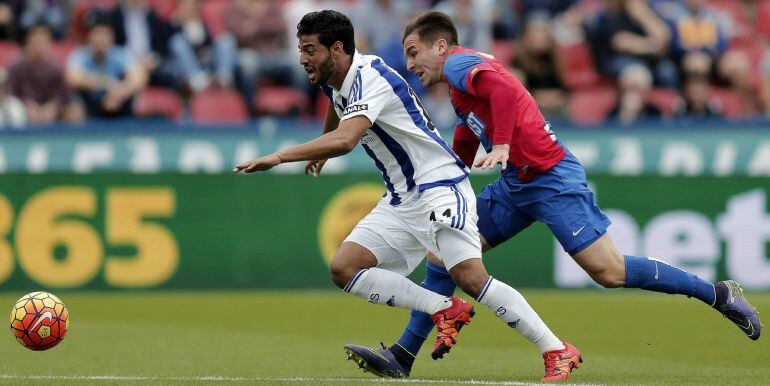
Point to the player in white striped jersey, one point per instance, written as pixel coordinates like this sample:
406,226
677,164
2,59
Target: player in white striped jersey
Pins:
429,204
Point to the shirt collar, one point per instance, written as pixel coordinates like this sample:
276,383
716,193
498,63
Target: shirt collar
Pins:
350,78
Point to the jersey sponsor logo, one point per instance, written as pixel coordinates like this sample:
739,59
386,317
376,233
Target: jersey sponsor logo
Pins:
475,124
355,109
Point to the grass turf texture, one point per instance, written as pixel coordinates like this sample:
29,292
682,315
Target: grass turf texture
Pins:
627,337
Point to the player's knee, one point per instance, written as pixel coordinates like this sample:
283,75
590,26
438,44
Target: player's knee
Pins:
341,272
469,276
611,276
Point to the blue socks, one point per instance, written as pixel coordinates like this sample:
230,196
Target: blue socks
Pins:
438,280
654,275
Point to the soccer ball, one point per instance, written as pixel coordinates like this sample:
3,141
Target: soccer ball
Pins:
39,321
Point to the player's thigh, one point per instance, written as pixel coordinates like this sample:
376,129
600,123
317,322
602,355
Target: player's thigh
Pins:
498,218
445,223
386,236
436,261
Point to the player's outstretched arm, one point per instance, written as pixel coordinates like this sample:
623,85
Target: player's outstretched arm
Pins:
330,123
334,144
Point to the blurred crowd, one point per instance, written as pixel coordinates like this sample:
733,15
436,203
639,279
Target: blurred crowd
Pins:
229,60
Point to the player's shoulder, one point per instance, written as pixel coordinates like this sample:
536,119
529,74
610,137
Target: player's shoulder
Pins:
458,65
373,68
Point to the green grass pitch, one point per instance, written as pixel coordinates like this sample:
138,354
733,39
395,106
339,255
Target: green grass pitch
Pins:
296,337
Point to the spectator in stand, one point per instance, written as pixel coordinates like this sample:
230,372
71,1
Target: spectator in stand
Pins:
535,65
12,112
697,100
50,12
7,20
39,82
630,42
473,19
260,31
633,101
106,76
699,44
147,36
628,33
197,52
381,35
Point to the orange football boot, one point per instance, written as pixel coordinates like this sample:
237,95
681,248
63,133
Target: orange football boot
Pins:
448,322
560,363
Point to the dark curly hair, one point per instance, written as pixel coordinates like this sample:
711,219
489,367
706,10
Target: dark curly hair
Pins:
331,27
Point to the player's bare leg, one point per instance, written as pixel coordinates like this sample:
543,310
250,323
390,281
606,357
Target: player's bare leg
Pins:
608,267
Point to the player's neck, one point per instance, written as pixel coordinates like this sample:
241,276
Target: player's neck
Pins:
341,72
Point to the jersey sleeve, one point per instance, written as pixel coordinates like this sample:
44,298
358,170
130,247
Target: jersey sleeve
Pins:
369,96
465,144
459,70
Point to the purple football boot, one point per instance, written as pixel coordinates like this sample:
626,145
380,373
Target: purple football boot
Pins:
381,362
734,306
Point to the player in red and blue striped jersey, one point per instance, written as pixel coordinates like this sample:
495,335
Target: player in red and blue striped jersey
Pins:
540,181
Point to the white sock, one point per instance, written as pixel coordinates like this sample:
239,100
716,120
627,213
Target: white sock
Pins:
381,286
511,307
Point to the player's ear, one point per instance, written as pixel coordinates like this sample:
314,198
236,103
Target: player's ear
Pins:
440,46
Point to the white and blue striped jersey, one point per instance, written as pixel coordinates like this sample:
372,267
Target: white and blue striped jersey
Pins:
403,142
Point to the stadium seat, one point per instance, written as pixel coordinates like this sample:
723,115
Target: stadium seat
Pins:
218,106
321,105
9,52
60,51
576,66
666,100
164,8
736,11
734,105
280,100
503,51
214,15
591,106
158,102
763,18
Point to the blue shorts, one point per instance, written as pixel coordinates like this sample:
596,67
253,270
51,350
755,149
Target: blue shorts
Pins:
560,198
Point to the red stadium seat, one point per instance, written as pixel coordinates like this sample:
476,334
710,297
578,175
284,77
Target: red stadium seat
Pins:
321,105
164,8
763,18
214,15
218,106
60,51
666,100
576,66
591,106
737,12
503,51
734,105
9,52
280,100
158,102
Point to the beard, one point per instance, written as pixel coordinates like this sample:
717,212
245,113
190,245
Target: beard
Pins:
325,71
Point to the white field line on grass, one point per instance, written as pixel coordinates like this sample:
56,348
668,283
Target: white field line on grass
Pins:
260,379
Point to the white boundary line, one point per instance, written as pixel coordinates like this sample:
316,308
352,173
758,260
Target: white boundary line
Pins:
214,378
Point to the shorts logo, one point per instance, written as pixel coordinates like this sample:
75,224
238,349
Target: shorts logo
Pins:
514,323
577,232
355,109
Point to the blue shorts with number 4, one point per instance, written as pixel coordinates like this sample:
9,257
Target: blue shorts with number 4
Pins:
559,197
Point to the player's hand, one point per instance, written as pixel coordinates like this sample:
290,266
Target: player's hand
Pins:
314,167
499,154
258,165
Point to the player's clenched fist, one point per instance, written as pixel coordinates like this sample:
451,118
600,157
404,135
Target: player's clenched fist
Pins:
258,165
